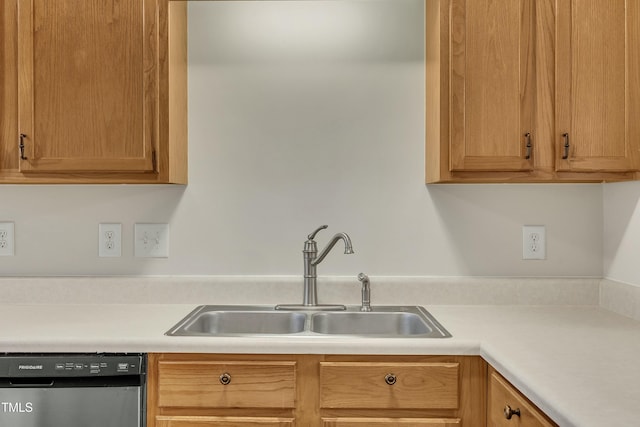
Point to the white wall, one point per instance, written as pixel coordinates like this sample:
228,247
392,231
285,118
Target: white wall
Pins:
301,114
621,231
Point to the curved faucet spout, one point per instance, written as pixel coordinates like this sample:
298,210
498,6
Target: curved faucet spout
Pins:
311,261
348,249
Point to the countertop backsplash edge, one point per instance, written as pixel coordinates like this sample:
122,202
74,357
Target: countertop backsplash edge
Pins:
621,298
288,289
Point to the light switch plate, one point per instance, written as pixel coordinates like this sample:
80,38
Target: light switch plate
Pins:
151,240
7,239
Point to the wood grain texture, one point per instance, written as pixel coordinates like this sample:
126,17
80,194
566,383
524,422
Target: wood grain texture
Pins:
469,410
473,391
259,384
437,86
388,422
492,84
597,49
545,101
185,421
362,385
552,55
126,133
8,87
87,84
502,393
177,89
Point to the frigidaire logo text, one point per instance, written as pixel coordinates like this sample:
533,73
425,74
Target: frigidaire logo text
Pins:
17,407
30,367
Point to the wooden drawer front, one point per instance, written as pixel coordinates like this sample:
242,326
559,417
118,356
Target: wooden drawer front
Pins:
180,421
252,384
388,422
501,394
363,385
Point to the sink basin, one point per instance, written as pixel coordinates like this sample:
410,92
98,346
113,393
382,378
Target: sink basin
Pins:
239,320
369,323
382,321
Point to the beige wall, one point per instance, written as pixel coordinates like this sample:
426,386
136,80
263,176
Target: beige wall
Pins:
622,232
304,113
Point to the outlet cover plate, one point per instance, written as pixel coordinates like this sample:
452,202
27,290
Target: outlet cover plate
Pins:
7,239
109,240
534,242
151,240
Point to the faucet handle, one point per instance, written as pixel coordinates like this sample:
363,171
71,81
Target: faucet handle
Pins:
313,235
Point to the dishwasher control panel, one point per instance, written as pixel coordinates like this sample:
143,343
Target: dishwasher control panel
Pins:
70,365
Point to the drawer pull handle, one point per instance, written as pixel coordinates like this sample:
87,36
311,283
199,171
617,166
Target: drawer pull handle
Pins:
225,379
510,412
390,379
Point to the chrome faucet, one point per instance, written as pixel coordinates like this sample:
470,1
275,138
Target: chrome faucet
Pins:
311,261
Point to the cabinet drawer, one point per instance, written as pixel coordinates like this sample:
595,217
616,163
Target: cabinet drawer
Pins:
389,385
388,422
227,384
503,394
181,421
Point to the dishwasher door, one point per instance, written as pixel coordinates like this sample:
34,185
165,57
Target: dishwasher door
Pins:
105,406
72,390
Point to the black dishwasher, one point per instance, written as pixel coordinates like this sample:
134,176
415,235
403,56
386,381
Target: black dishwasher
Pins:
72,390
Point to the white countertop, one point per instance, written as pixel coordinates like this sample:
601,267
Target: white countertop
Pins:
578,364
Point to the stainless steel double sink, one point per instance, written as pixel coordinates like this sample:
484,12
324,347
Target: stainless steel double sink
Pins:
381,321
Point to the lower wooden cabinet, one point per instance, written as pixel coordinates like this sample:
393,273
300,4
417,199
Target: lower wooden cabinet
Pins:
207,390
225,390
507,407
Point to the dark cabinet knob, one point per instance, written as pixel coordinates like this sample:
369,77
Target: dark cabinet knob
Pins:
225,379
510,412
390,379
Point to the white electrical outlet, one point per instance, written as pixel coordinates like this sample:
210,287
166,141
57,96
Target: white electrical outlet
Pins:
534,241
7,239
151,240
109,240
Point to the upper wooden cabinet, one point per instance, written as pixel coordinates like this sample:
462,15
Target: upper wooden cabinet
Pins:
509,83
598,85
101,91
492,86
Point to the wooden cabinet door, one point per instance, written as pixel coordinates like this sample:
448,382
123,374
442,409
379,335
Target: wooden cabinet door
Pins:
503,394
193,421
598,85
87,85
492,85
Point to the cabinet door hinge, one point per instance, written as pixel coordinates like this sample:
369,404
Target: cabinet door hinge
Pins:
154,160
